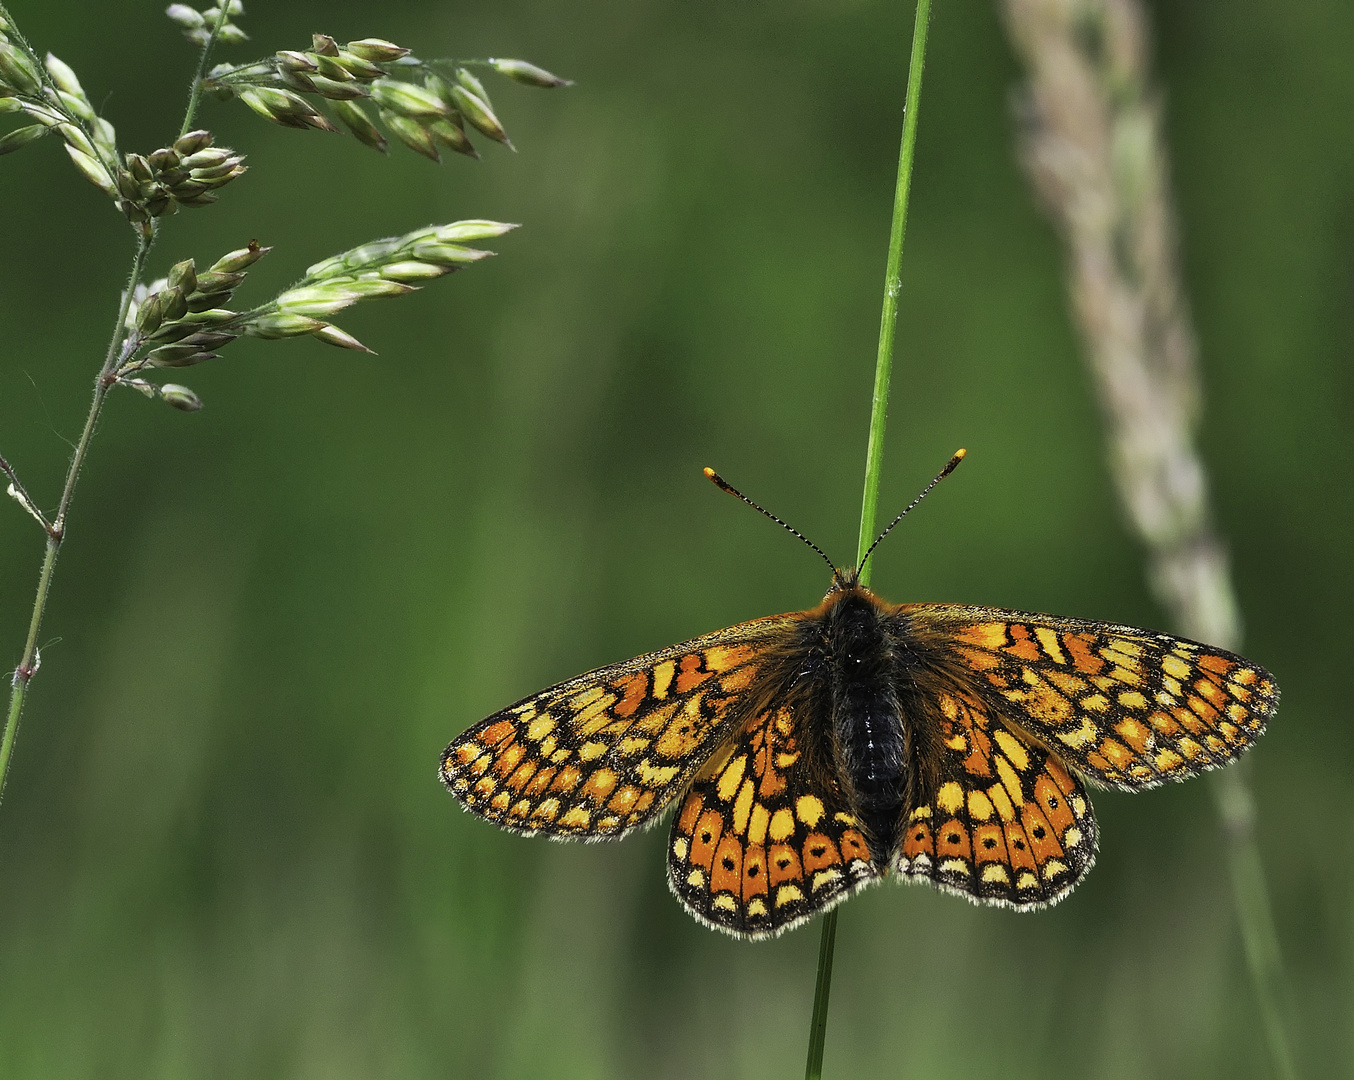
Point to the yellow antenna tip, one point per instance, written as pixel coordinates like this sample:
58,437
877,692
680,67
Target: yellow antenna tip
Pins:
960,453
709,473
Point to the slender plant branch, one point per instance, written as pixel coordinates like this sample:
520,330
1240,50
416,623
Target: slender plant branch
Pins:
56,531
888,319
1093,147
195,93
874,456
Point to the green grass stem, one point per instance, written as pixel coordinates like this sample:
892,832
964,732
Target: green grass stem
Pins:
874,455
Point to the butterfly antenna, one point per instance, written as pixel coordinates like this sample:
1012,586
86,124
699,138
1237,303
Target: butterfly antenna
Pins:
724,485
949,468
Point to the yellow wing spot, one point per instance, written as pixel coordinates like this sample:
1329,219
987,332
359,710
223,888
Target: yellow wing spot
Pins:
1096,703
559,757
784,761
1072,837
782,824
600,784
631,745
542,724
1011,747
809,810
655,776
950,797
1135,734
788,894
1049,640
679,847
1172,686
546,810
824,878
756,907
847,819
723,657
662,678
979,806
1128,648
1078,806
591,751
696,879
1009,780
984,635
1026,880
624,799
917,815
591,718
575,818
1168,759
466,753
1053,868
954,866
1129,675
1079,736
732,777
500,801
1131,699
959,742
995,872
1002,801
485,787
1175,667
726,902
757,824
742,807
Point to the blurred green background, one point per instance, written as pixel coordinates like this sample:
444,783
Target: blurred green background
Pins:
224,851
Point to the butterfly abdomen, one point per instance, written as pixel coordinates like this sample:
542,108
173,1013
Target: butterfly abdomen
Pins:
865,714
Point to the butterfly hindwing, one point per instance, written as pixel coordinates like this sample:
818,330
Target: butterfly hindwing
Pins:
1124,707
1001,822
607,751
763,839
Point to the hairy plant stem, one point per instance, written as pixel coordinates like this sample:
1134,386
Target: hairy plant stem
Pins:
56,531
874,456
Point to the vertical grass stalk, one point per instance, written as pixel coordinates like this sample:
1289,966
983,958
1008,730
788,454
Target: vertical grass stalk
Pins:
1093,145
874,455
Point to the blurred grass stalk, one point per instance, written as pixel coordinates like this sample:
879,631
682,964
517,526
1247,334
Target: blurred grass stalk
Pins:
1091,142
874,454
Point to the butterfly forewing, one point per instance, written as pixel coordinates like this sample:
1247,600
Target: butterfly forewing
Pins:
764,839
1126,708
607,751
1001,821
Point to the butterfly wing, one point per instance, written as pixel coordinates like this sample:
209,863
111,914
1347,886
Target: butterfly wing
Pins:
1124,707
764,839
1000,820
605,752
